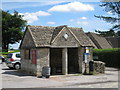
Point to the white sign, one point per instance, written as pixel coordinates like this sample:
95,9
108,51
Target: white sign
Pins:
65,35
87,50
86,57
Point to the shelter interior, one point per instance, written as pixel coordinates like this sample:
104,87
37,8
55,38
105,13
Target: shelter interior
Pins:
56,60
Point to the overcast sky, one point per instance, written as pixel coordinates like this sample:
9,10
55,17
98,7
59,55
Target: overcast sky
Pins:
55,13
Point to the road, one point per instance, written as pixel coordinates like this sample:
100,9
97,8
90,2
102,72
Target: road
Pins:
15,79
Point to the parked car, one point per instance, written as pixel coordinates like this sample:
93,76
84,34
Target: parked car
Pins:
2,59
13,60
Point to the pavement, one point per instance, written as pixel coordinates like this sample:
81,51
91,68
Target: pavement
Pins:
16,79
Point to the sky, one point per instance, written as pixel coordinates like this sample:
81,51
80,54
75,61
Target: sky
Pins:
55,13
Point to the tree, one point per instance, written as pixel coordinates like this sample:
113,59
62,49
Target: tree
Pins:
12,26
114,9
106,33
118,33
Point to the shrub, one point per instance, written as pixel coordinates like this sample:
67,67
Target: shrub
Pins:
6,53
109,56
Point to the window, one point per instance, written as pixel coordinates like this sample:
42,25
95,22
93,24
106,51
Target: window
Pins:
33,56
18,55
66,36
9,56
27,54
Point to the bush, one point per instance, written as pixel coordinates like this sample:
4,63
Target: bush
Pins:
109,56
6,53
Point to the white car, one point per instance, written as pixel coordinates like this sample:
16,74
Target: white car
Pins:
13,60
2,59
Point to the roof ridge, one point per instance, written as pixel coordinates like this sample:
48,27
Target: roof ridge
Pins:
40,26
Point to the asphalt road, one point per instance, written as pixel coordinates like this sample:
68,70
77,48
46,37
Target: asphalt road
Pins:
15,79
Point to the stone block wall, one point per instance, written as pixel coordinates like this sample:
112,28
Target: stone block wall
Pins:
99,67
26,65
42,59
61,41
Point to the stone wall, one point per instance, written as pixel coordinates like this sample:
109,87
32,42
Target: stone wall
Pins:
60,41
42,59
99,67
81,59
26,65
27,41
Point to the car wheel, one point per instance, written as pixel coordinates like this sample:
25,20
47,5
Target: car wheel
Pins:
17,66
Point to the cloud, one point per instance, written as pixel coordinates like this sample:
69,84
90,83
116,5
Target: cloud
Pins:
52,2
82,22
72,7
109,13
51,22
32,17
71,20
46,1
15,5
49,0
83,18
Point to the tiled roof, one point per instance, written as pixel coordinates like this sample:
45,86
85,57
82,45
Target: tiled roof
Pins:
114,41
99,41
43,35
81,36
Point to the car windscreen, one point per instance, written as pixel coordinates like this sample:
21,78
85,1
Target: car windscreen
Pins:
18,55
9,56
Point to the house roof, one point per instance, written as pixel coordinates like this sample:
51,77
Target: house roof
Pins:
44,35
99,41
114,41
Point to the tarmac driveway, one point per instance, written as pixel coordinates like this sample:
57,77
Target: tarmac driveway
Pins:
15,79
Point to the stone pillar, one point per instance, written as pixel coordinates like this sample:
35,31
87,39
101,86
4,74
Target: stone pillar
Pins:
64,61
81,59
42,60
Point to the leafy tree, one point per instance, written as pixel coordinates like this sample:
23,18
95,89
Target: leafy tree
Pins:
12,26
114,9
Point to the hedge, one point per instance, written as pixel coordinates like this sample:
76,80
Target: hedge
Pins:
109,56
6,53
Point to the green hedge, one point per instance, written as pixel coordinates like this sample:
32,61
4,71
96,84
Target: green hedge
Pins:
109,56
6,53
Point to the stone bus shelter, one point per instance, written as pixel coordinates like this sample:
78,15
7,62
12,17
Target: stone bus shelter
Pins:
61,48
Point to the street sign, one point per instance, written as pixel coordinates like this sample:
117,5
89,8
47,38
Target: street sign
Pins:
87,50
86,57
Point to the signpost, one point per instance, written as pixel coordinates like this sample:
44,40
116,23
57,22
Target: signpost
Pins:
86,58
86,54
